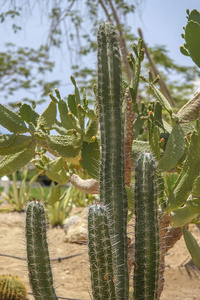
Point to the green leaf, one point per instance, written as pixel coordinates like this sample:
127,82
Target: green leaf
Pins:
91,130
65,145
48,117
174,149
19,144
59,128
72,104
7,139
190,170
192,38
192,246
194,16
12,163
90,157
186,213
161,98
54,194
184,51
154,139
64,117
11,121
28,114
138,126
56,172
138,147
196,187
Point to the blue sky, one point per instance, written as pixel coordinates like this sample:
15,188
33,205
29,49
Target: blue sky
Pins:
160,20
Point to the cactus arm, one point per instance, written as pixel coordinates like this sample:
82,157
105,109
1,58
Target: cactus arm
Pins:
12,121
189,173
135,64
40,275
174,149
112,189
192,246
100,254
146,273
12,163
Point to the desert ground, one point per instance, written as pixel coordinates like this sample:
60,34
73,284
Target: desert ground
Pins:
71,276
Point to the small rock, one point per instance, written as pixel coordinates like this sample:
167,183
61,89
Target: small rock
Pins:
76,228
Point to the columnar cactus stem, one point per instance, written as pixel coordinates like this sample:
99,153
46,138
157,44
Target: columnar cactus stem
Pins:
100,254
146,273
112,187
40,275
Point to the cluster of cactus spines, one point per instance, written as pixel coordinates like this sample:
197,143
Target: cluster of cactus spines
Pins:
146,272
112,187
12,288
40,274
100,254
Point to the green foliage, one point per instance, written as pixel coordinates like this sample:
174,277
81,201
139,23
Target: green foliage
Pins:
192,246
60,208
174,149
18,67
14,162
12,288
192,37
19,196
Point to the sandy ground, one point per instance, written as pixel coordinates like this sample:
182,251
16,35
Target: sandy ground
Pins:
71,276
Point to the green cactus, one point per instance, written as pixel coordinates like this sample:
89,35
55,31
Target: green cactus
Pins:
192,37
146,272
100,254
40,275
112,187
12,288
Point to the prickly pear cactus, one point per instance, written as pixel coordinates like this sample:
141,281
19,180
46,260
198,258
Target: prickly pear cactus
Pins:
192,37
12,288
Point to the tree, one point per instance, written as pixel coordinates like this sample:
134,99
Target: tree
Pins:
68,25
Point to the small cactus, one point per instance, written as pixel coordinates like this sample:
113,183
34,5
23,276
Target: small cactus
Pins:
12,288
100,254
40,274
146,273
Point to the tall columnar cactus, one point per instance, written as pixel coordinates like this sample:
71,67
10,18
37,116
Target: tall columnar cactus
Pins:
146,272
112,187
40,274
100,254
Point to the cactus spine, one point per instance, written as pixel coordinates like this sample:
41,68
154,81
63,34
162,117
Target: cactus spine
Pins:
40,275
12,288
100,254
112,187
146,273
